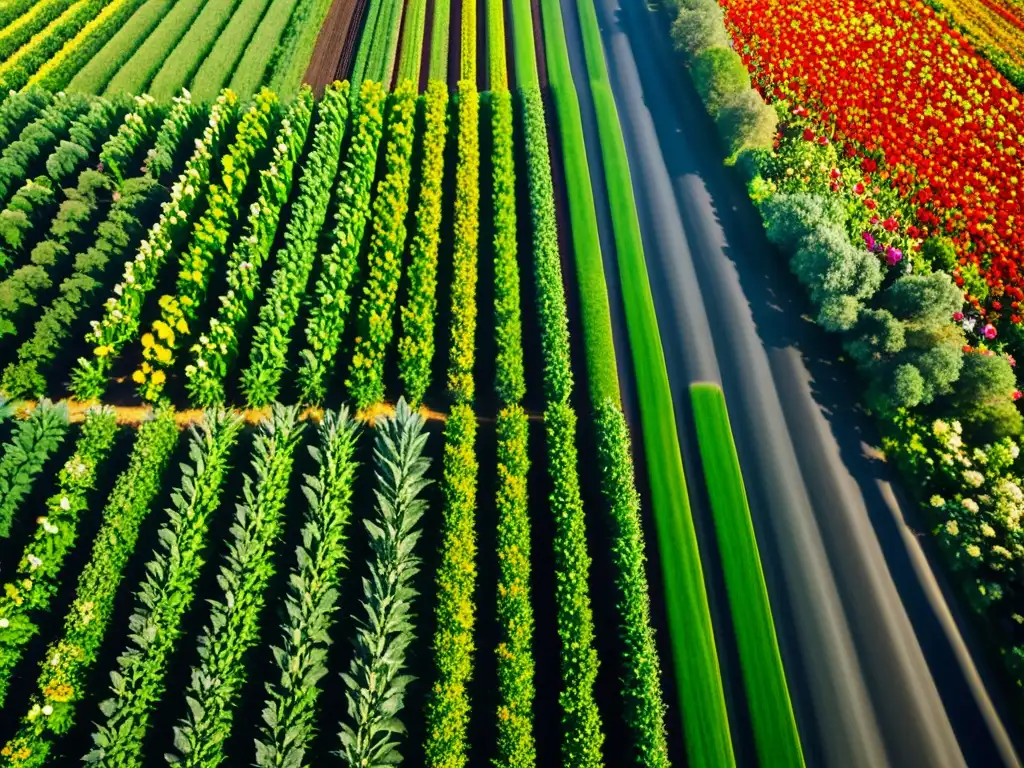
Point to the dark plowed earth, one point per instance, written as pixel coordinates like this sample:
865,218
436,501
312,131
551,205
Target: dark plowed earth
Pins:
879,670
335,45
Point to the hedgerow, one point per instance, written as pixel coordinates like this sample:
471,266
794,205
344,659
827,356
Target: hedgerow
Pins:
376,680
39,571
121,316
199,261
339,265
462,338
181,63
641,690
215,351
16,70
25,454
165,595
312,596
233,627
261,381
416,345
68,661
219,64
448,706
551,309
59,70
96,73
516,746
121,229
374,326
509,378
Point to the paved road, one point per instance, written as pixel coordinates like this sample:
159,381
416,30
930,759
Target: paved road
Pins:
880,673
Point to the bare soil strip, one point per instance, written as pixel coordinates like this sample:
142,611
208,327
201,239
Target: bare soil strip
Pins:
331,44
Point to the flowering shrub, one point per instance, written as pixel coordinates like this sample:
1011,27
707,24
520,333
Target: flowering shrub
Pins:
122,312
215,351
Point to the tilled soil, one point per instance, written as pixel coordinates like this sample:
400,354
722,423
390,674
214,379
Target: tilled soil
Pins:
332,57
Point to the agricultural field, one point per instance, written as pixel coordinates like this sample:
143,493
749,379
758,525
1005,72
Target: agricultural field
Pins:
350,413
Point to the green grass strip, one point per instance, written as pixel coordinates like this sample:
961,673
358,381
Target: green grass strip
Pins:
412,41
366,44
290,59
602,372
192,49
439,40
523,46
705,717
771,712
136,74
260,50
94,76
219,65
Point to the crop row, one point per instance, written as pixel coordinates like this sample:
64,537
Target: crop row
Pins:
378,44
120,321
210,238
24,456
416,345
374,319
261,380
215,352
339,268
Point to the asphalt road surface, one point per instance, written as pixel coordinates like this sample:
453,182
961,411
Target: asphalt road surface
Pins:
879,670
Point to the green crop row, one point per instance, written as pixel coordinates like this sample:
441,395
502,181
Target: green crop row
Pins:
411,53
25,454
516,746
69,660
20,108
25,213
96,73
287,65
416,346
496,59
462,338
120,150
59,70
290,712
136,74
375,59
510,378
210,236
13,9
438,67
771,712
233,625
374,326
167,591
121,316
340,265
181,63
264,50
219,64
448,707
214,353
121,230
467,38
32,20
377,680
39,572
261,381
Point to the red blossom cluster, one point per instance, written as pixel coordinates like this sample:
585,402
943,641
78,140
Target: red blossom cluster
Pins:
894,85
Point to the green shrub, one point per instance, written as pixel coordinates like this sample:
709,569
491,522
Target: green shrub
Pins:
746,122
718,74
939,253
830,266
697,30
983,398
25,454
789,218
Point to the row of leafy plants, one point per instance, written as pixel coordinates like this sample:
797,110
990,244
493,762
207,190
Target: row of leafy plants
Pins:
25,455
215,352
939,376
120,231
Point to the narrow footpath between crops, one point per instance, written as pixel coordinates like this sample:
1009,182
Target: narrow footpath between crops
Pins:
879,670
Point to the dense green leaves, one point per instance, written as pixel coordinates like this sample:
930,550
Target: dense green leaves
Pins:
310,604
376,681
516,746
215,351
583,738
641,690
233,627
374,327
448,707
166,593
340,264
40,568
68,661
19,109
261,381
416,345
25,454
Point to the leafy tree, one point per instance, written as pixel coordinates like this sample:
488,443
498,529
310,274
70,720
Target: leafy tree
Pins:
983,398
924,301
745,121
831,266
789,218
718,73
697,30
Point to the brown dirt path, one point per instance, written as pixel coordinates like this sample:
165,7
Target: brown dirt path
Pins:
332,42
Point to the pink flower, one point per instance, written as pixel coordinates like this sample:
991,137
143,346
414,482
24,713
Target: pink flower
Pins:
989,331
1011,360
893,256
1017,394
958,316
